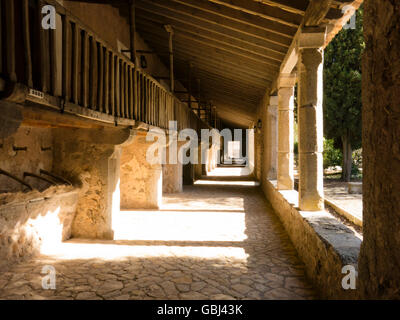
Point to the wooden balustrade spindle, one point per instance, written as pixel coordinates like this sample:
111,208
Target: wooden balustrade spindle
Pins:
100,91
27,43
112,83
106,81
75,61
85,69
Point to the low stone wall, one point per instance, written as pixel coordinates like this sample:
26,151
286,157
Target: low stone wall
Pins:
323,243
32,220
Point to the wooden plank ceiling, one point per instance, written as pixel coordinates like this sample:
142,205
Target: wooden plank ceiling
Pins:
236,47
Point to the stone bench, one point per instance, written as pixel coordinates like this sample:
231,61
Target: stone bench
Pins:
355,187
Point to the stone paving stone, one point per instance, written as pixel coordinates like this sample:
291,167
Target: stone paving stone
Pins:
256,262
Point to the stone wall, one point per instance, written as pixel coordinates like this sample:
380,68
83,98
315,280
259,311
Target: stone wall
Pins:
89,158
32,221
380,255
38,155
141,181
172,173
324,244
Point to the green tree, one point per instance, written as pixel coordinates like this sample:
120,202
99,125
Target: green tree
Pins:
342,91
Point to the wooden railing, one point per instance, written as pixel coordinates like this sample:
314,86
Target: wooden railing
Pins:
75,65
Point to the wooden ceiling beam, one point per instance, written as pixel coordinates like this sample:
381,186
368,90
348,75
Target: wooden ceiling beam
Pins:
226,40
222,80
262,8
240,16
264,11
298,6
184,58
173,17
235,118
236,75
188,56
223,105
235,92
155,39
239,74
316,12
176,9
240,54
232,93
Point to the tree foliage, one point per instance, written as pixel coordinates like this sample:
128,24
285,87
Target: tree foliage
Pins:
342,87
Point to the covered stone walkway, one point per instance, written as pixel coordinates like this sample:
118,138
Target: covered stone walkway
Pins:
219,239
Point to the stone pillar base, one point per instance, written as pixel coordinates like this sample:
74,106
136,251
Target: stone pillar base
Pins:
285,172
311,189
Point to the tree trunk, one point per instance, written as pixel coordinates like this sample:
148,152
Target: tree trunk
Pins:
347,158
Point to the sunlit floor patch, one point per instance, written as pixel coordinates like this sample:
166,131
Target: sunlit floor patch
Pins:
227,183
230,171
113,250
180,225
208,242
195,202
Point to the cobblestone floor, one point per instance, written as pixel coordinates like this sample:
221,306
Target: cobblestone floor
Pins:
213,241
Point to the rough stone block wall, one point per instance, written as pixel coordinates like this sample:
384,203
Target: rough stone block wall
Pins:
38,155
380,255
141,182
89,165
29,221
172,178
323,244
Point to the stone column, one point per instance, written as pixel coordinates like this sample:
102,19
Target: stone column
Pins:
172,170
90,158
250,150
188,174
214,156
272,137
259,150
209,160
285,132
379,261
199,167
141,181
310,119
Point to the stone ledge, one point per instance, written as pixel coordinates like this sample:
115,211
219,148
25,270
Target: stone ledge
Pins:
323,243
343,212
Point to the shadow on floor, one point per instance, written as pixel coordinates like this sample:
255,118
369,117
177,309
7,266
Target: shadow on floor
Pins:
209,242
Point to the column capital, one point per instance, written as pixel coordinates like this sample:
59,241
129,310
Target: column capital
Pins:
287,80
273,101
311,38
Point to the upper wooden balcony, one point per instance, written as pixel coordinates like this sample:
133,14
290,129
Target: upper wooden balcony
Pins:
73,71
